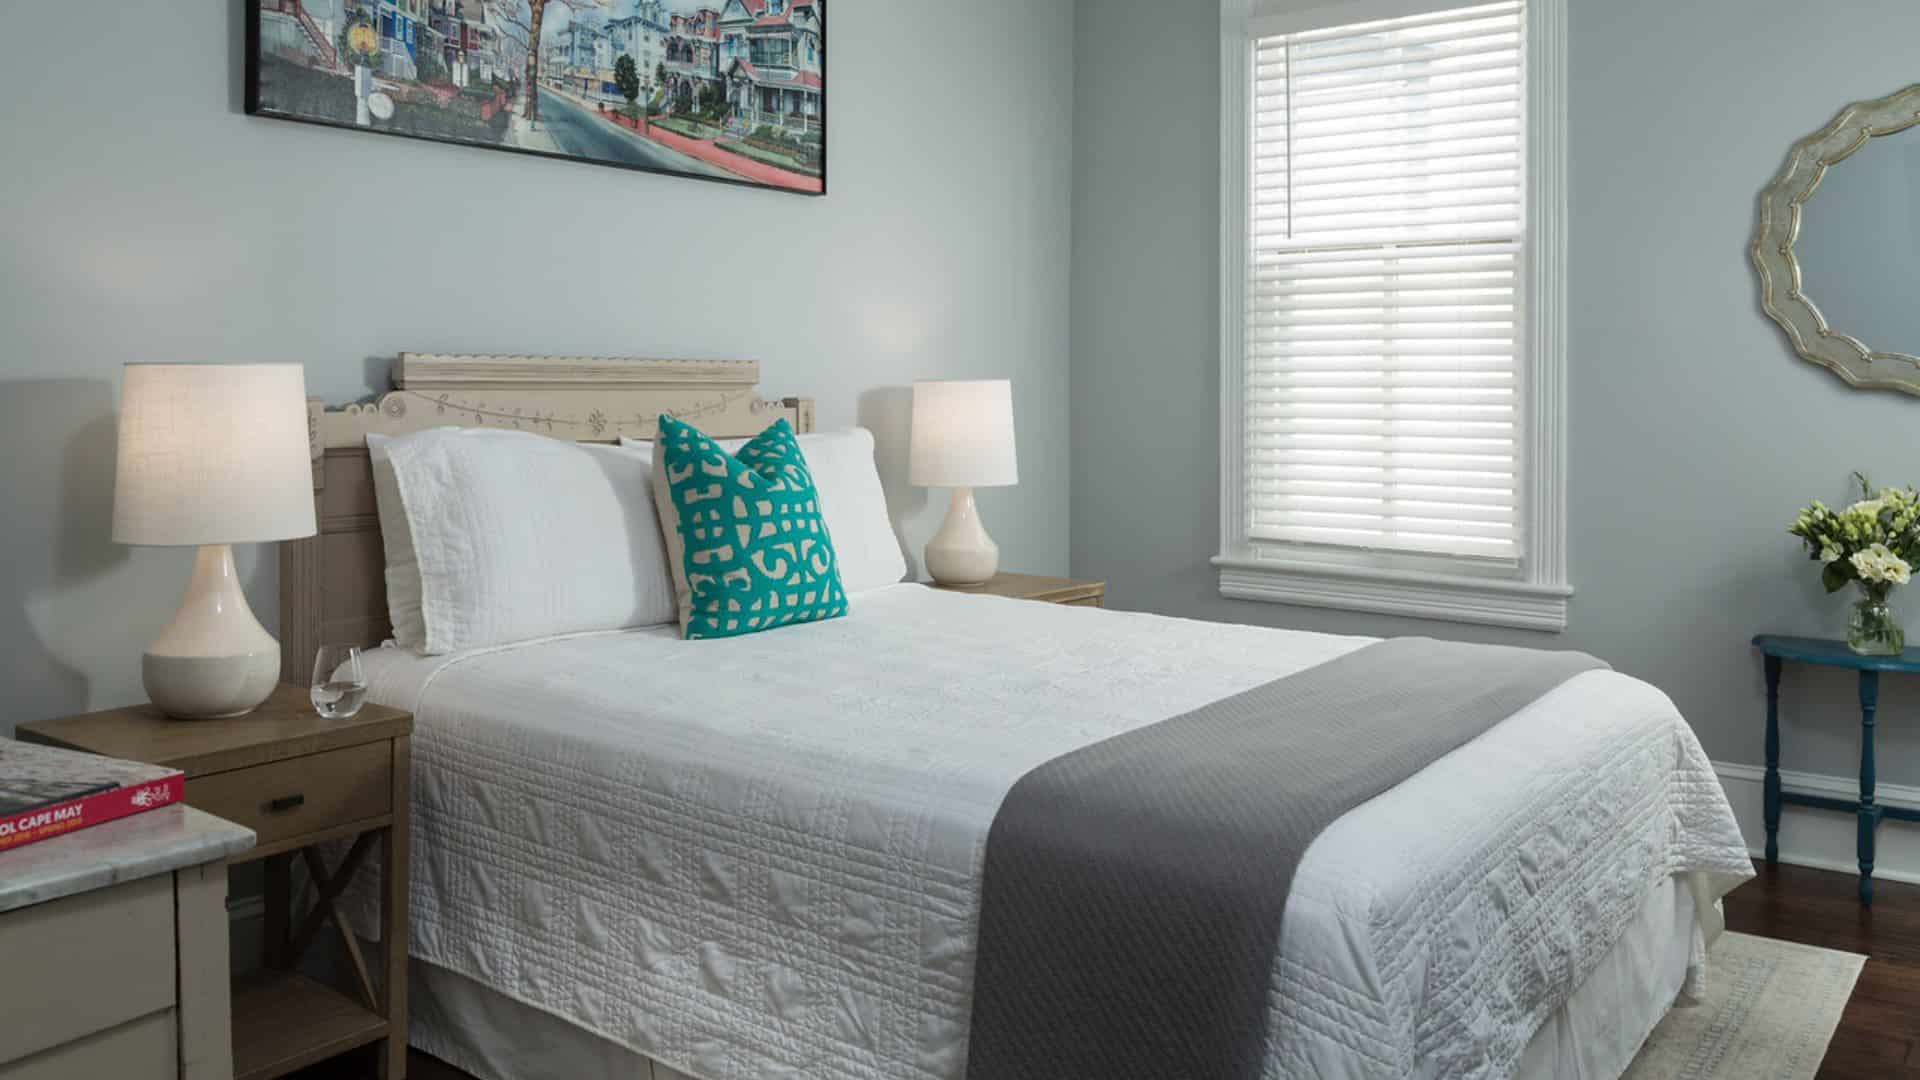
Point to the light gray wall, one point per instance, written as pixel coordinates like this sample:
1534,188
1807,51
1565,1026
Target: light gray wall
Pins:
146,218
1695,431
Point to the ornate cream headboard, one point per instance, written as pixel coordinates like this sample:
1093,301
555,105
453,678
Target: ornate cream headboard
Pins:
332,585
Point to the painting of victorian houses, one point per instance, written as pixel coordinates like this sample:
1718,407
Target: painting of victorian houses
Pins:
730,90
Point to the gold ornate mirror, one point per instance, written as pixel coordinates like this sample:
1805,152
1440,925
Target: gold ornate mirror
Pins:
1838,245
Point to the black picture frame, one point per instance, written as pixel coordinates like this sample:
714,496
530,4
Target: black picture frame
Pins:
264,98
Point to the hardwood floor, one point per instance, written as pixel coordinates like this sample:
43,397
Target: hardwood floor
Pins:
1879,1036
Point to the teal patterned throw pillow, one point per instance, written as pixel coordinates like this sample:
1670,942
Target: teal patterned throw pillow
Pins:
745,538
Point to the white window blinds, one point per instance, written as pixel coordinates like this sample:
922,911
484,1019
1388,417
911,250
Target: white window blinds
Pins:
1384,309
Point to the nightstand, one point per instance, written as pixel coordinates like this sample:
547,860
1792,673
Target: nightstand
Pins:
1775,648
296,780
1050,590
115,939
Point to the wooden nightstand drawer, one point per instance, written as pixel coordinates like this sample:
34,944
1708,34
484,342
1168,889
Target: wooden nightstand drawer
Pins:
143,1049
301,795
108,952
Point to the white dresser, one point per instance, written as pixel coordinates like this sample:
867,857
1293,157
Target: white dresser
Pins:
113,945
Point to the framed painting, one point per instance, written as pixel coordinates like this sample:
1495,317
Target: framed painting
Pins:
728,90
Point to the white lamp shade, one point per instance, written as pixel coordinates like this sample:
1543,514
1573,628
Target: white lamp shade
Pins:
963,434
213,454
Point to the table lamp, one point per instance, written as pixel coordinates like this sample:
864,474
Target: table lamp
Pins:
212,455
962,439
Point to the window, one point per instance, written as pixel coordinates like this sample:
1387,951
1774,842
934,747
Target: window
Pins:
771,52
1391,366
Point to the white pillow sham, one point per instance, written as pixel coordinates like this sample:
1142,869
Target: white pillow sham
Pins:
513,536
403,567
851,500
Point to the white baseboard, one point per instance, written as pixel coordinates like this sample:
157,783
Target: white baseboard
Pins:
1824,839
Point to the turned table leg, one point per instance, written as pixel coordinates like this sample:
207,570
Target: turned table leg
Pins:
1869,813
1770,798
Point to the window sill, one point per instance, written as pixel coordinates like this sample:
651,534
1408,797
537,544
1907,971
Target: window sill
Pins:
1453,598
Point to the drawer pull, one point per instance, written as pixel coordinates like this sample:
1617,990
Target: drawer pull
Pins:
285,803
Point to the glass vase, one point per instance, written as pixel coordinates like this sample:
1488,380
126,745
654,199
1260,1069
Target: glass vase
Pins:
1874,627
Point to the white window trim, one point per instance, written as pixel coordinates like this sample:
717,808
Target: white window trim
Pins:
1436,587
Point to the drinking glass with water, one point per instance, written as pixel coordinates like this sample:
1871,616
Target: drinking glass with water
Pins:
339,686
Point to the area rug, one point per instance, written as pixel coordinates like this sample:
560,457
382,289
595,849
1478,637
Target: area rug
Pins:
1770,1009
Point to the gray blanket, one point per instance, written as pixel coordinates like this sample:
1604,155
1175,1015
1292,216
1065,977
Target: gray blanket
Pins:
1133,889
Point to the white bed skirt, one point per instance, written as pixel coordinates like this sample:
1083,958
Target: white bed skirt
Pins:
1594,1036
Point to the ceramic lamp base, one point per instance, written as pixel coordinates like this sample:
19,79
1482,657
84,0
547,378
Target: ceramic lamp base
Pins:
962,553
214,659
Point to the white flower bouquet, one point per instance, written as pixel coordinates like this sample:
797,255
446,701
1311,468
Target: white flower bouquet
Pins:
1872,543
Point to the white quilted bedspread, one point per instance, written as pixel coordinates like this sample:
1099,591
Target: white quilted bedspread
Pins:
759,857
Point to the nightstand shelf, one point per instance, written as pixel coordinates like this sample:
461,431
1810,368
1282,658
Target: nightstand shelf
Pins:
284,1021
1049,590
297,781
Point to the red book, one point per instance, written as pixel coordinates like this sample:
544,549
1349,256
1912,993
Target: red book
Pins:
46,792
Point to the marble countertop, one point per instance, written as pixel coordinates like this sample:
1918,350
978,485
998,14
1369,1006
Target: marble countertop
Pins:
142,845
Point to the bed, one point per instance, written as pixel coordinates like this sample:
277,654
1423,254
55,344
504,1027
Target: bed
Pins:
760,857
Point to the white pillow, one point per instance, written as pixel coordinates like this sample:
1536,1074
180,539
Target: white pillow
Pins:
851,501
403,567
517,536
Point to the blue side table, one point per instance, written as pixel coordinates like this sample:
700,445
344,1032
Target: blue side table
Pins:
1831,654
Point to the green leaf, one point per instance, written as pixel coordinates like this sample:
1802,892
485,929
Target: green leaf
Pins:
1837,574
